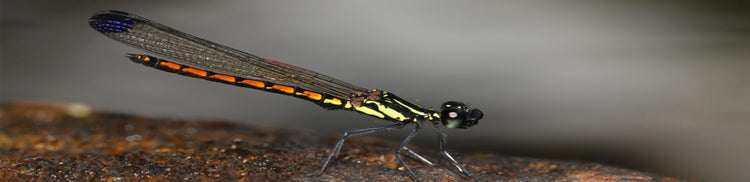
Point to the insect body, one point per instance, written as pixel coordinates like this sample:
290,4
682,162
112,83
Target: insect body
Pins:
199,58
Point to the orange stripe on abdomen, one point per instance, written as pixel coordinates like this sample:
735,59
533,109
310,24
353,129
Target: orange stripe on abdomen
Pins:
225,78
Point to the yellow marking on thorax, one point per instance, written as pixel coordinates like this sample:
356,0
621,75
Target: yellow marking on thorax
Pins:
410,109
434,116
390,112
369,111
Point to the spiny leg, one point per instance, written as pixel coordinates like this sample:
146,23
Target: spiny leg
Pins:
403,146
417,156
353,133
443,150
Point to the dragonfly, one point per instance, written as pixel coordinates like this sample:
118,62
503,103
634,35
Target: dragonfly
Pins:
199,58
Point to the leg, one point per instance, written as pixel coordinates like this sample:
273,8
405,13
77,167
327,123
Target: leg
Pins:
443,150
415,155
353,133
402,147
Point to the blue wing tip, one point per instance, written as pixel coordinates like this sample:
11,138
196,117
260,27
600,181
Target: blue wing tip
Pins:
111,21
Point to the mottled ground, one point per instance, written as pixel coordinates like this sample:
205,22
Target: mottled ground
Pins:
60,141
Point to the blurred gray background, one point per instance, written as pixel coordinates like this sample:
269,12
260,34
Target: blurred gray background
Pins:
657,86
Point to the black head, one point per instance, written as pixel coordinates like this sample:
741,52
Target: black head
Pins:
457,115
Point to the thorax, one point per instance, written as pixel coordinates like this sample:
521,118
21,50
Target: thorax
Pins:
385,105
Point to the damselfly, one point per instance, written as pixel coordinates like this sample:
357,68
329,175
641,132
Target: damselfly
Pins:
200,58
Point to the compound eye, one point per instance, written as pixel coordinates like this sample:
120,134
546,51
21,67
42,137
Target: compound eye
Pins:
452,104
452,118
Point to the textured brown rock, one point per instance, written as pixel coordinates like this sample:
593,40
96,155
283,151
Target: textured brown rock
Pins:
44,141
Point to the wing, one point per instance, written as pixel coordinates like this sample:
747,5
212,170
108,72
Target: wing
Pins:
184,48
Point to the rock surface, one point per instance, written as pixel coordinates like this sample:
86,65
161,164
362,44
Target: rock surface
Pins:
61,141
